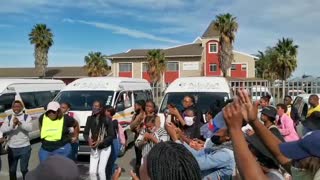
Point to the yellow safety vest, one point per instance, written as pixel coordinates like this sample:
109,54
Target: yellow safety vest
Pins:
311,110
52,130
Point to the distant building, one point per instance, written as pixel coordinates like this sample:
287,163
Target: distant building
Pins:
200,58
66,74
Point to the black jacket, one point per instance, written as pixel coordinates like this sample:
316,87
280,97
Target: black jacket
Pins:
294,114
95,128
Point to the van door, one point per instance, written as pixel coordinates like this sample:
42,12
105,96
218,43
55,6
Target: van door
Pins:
124,106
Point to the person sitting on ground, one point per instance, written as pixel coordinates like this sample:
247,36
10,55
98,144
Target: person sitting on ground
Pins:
286,124
150,135
216,162
169,161
300,158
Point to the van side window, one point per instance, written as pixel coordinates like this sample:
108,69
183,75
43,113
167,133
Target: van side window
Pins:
6,101
29,100
149,94
43,98
140,95
125,99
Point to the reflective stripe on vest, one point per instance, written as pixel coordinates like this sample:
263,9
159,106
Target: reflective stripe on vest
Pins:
51,130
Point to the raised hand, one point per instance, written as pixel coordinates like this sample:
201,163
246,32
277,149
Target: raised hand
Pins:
233,115
171,129
249,110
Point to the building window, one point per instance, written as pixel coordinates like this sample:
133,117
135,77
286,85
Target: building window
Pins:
233,67
213,47
172,66
213,67
144,67
125,67
243,67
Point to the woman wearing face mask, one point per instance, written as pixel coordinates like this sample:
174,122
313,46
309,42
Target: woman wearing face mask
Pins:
192,127
150,135
99,133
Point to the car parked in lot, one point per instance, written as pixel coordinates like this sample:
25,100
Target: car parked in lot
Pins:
294,93
302,105
258,91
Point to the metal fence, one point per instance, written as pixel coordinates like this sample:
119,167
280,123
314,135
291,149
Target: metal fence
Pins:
278,89
257,88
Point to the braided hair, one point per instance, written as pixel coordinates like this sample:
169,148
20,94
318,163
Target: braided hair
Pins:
172,161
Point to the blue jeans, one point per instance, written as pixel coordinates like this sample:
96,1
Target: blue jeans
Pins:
74,151
62,151
16,154
115,150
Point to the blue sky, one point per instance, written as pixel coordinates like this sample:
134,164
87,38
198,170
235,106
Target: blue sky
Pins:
113,26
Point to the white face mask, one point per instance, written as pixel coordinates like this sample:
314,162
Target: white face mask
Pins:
189,121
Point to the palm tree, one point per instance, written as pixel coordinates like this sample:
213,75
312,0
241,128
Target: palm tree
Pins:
96,64
156,65
42,38
286,62
227,26
264,66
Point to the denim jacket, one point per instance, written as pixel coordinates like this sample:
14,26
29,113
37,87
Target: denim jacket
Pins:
215,164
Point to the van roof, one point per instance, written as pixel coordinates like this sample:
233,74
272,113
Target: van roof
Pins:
199,84
107,83
4,83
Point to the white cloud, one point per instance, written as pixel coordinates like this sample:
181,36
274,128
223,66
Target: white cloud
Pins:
122,30
261,23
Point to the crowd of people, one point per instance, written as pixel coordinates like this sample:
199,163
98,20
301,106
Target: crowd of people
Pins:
235,140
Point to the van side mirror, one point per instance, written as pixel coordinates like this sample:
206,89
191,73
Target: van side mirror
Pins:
120,107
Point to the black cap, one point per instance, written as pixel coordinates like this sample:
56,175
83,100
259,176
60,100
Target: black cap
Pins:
255,141
269,111
55,168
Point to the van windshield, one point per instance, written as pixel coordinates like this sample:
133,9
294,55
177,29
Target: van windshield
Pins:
83,100
203,100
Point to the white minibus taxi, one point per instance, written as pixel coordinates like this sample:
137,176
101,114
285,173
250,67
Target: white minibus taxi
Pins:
206,91
35,95
118,92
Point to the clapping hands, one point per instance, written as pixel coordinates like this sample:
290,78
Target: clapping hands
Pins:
241,109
